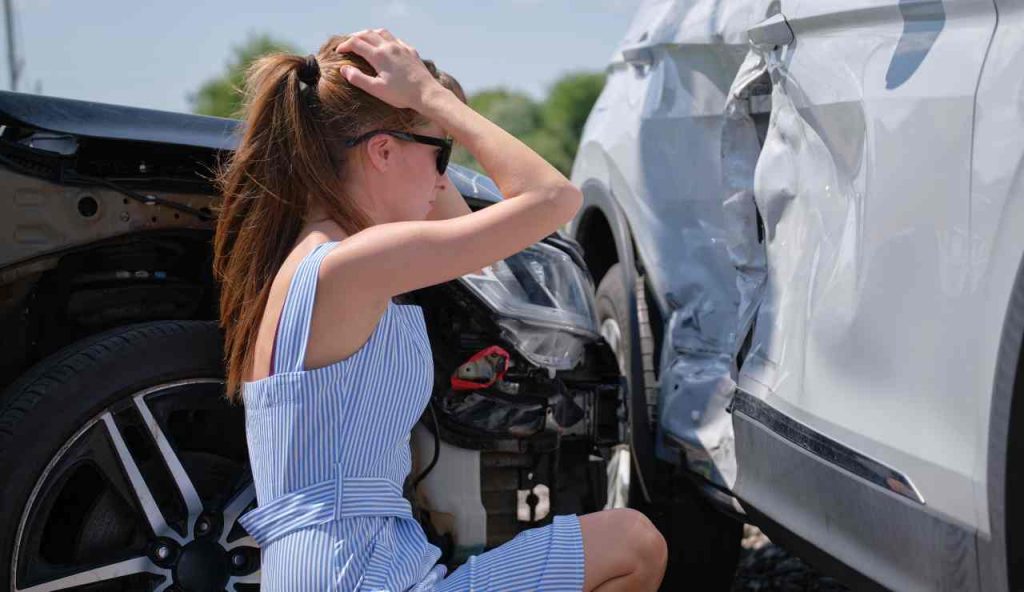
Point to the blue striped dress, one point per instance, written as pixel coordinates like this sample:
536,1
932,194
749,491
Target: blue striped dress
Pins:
329,449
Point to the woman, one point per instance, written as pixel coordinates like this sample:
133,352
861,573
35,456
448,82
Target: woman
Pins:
326,218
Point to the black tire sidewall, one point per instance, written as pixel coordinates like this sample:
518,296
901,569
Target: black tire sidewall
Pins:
704,544
46,406
611,302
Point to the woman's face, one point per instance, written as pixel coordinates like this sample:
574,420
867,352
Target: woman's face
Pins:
402,177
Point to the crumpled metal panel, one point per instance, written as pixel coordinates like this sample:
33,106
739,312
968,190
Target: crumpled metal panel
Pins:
876,281
854,106
654,140
687,22
864,186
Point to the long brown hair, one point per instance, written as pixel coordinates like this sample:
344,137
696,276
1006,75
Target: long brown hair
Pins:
289,158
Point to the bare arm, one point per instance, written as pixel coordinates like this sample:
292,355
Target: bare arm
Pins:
390,259
449,204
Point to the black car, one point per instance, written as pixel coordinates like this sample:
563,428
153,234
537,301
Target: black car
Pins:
122,464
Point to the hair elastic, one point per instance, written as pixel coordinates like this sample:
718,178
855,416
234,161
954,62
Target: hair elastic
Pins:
309,70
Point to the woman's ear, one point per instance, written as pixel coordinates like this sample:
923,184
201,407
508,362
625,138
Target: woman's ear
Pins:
381,150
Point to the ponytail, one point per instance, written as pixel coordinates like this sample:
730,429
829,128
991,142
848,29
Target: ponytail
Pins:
290,157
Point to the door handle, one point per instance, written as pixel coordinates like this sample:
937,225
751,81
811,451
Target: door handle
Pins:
773,31
638,56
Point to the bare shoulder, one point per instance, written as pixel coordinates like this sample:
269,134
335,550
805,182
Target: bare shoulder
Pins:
342,284
344,312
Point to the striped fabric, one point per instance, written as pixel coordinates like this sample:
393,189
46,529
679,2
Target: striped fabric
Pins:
329,450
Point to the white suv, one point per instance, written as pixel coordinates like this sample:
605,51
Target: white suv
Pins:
817,207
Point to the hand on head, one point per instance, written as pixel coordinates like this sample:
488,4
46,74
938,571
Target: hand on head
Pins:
402,79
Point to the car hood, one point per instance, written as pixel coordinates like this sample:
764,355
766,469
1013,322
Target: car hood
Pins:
118,122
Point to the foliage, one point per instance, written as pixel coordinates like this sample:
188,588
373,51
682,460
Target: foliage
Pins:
568,105
552,127
222,96
516,112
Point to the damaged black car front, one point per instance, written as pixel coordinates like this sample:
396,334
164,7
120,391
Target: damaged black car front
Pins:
123,464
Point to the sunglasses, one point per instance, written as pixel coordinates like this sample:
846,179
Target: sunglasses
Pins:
444,143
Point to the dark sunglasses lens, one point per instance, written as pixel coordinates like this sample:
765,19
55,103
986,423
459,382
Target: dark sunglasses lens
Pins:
442,159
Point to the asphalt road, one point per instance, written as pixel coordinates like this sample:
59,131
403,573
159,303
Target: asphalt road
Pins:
767,567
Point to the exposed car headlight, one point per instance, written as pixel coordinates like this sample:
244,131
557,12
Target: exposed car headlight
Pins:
546,301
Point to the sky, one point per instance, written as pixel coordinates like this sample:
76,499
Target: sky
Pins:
154,54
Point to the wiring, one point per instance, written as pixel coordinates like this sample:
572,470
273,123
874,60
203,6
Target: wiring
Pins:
146,199
71,177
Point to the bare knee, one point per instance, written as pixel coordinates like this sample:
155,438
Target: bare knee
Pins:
659,551
650,545
642,541
622,543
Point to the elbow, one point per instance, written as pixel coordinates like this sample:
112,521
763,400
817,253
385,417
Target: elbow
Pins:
567,199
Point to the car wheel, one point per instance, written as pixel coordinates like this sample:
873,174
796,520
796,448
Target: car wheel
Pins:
125,468
613,321
704,544
599,477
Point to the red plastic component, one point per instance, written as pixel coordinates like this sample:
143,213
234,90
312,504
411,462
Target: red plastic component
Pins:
492,361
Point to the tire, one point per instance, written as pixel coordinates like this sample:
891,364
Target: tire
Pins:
613,320
124,463
704,544
611,306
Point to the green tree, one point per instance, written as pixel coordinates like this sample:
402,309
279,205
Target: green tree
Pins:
222,96
552,128
514,112
552,147
567,106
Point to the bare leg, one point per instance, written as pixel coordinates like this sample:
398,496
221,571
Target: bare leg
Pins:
622,550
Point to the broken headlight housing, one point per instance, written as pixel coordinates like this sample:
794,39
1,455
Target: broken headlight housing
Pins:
546,302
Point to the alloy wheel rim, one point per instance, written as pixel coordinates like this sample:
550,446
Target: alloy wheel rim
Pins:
618,465
193,542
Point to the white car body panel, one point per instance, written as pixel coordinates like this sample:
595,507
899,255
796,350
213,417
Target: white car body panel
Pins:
997,216
864,187
889,185
652,142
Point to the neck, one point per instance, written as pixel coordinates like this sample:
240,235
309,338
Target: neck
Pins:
325,230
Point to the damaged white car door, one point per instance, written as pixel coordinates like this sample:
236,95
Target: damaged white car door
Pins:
856,421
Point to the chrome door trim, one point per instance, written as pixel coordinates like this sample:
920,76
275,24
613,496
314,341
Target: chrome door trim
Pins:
825,448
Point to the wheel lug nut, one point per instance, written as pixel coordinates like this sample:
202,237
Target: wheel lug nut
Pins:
163,552
203,527
238,559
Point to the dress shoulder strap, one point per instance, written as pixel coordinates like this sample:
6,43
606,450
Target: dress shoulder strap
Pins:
290,351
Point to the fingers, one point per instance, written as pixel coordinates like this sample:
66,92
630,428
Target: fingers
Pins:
388,36
357,78
399,79
409,47
357,45
371,36
360,40
375,38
